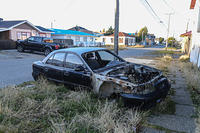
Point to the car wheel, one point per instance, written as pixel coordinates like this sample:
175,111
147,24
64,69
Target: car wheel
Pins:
20,48
47,51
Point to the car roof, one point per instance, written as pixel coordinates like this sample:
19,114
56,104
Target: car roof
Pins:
81,50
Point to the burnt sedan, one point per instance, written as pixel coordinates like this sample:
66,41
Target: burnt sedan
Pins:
105,73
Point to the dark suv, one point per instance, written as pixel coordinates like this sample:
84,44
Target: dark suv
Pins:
41,44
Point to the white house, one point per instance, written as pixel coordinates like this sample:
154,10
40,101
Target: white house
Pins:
195,27
79,38
124,39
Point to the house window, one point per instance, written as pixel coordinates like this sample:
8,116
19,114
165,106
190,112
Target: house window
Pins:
19,35
68,37
85,39
77,38
121,40
23,35
112,40
91,39
104,39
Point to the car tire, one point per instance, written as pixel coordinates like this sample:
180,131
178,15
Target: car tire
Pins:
20,48
47,51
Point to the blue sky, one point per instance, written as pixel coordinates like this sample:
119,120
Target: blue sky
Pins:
98,14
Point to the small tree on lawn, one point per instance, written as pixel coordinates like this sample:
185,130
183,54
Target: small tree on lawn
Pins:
161,39
172,42
142,33
110,31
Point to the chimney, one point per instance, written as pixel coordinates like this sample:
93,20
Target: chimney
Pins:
1,19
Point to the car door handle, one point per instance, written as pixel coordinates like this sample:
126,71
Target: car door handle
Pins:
66,73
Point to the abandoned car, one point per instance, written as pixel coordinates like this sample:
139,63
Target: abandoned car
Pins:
105,73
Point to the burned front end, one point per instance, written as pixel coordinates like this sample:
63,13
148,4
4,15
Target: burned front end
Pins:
136,84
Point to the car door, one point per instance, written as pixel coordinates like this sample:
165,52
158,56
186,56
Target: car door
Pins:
71,75
55,66
28,43
37,44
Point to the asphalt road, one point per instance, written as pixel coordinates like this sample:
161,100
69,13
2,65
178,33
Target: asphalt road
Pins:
16,68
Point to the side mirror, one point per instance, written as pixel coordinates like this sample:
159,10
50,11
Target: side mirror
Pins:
79,69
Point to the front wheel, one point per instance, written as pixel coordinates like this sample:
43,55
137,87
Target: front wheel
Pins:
20,48
47,51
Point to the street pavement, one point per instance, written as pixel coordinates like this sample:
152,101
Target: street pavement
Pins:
16,68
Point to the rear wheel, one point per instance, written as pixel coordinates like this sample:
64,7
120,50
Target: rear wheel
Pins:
47,51
20,48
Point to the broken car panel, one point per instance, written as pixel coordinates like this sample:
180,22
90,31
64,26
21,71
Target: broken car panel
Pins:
105,73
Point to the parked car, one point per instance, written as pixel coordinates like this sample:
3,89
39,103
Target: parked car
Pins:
36,43
105,73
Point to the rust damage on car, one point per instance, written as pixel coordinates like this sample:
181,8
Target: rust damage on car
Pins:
131,79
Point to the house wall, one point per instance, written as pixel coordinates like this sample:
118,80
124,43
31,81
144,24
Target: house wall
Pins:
45,34
109,40
195,39
77,40
22,32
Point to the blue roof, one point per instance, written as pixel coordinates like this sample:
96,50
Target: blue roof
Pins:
131,34
69,32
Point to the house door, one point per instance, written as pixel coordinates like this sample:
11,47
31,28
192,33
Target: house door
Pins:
126,41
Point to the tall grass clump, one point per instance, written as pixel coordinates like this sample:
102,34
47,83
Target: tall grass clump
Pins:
46,107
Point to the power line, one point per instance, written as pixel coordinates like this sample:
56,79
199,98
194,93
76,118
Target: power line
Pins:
169,6
153,13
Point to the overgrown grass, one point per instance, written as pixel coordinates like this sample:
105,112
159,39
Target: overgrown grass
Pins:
184,58
166,52
46,107
137,46
168,106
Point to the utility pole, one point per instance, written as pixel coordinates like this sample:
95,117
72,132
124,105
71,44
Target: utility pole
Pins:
116,38
169,19
142,37
52,23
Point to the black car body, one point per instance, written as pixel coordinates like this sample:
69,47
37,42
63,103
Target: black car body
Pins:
105,73
37,43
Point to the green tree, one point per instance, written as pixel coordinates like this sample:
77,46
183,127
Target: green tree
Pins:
142,33
110,31
161,39
172,42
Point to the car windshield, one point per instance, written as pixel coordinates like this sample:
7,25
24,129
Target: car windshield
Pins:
101,59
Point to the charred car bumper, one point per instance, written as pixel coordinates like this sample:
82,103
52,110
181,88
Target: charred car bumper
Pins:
150,99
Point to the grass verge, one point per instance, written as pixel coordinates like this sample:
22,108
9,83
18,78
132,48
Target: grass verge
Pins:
46,107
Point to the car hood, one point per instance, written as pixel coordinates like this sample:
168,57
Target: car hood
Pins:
129,76
141,73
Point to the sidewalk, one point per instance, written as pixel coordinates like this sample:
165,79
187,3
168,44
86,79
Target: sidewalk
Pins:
182,120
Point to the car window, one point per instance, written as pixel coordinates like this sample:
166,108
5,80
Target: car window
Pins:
56,59
50,60
38,39
73,61
31,39
106,56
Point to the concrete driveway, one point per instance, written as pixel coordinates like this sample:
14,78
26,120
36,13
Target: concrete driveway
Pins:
16,68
